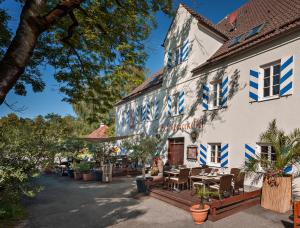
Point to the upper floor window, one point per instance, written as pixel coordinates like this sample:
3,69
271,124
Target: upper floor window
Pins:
215,153
267,152
176,104
178,55
217,94
271,80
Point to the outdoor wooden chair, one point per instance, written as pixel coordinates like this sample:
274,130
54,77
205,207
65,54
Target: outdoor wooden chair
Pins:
207,170
238,183
194,171
296,214
235,171
181,180
224,188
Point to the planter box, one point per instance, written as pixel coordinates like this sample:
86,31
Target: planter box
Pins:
88,176
277,197
77,175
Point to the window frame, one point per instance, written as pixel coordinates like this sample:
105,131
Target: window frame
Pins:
217,155
176,60
262,86
216,96
270,151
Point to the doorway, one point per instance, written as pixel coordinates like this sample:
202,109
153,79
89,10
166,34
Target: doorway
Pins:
176,151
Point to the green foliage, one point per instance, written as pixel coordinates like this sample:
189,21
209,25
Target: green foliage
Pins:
84,167
287,150
29,145
101,152
109,40
141,148
204,194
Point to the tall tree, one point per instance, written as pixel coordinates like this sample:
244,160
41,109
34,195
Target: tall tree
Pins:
81,39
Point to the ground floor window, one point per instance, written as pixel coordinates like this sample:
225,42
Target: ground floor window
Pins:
267,152
215,152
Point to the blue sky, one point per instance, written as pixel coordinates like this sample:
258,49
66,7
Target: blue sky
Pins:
50,99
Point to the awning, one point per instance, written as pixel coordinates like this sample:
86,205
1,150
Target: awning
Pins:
107,139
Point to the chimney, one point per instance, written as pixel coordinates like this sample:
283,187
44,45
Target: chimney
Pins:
232,18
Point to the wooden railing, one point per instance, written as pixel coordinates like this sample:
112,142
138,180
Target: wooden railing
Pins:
222,208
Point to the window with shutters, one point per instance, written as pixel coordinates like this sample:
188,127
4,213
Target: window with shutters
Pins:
175,104
140,113
178,54
216,94
271,80
267,152
215,153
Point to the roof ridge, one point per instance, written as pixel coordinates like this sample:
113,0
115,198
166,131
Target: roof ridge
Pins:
205,21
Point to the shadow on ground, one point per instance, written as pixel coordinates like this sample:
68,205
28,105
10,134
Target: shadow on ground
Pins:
69,203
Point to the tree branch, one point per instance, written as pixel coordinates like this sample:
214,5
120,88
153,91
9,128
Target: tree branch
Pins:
66,39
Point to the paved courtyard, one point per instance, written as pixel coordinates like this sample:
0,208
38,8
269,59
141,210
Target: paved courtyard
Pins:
69,203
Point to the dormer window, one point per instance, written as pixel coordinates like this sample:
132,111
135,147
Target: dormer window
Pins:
235,40
254,31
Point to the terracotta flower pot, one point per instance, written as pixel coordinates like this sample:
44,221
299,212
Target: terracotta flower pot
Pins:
199,215
88,176
77,175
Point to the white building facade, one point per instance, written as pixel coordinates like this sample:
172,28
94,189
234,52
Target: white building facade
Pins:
220,87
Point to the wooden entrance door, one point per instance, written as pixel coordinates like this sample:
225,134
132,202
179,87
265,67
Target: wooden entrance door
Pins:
176,151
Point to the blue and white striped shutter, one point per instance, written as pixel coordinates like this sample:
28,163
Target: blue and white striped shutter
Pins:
181,102
250,152
253,86
124,118
156,109
288,169
148,111
224,155
144,109
170,60
286,76
205,97
169,105
128,117
224,92
184,52
203,154
137,115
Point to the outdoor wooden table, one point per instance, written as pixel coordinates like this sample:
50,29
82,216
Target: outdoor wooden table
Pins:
207,179
173,173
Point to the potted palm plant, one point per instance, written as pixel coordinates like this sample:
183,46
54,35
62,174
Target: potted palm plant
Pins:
142,149
200,211
277,183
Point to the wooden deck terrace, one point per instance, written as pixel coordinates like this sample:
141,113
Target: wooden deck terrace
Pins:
219,208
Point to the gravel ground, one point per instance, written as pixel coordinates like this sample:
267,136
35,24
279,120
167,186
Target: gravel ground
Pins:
66,203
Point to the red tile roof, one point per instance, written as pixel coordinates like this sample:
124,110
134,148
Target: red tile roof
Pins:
100,132
279,16
151,83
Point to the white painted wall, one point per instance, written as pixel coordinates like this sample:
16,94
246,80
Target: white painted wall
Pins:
241,122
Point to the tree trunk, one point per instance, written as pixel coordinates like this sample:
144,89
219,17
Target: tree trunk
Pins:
21,48
143,170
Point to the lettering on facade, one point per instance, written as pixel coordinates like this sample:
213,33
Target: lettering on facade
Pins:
195,124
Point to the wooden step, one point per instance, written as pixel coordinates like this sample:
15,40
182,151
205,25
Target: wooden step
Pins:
170,200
